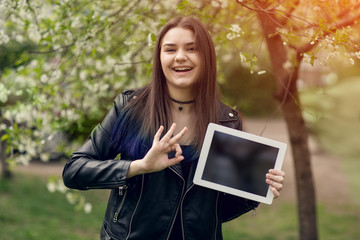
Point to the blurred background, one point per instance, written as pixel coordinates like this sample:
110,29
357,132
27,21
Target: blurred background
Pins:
62,63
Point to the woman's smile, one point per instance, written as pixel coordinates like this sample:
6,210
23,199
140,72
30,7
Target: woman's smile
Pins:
182,70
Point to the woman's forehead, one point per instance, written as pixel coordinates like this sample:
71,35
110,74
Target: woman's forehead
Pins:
178,35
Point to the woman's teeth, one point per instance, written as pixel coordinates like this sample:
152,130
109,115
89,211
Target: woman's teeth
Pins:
182,69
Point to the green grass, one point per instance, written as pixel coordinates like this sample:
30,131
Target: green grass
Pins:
275,222
279,222
28,211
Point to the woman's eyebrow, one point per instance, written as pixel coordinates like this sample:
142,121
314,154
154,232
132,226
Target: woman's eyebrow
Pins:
169,45
173,44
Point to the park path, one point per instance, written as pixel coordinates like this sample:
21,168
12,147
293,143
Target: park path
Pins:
330,180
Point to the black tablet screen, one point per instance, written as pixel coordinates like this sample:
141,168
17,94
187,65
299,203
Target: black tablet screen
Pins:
239,163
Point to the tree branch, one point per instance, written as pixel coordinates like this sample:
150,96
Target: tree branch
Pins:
341,24
289,13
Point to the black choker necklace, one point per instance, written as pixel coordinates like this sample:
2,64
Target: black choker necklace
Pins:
181,102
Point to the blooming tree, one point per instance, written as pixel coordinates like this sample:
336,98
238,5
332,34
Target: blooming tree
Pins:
83,53
80,55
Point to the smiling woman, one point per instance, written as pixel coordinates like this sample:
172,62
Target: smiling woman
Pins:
180,62
158,132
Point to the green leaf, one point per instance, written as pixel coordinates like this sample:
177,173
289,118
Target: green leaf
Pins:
153,37
183,5
4,137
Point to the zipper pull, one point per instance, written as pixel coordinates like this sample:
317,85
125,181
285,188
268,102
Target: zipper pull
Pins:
121,190
115,217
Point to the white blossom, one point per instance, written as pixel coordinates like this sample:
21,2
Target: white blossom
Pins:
87,208
76,23
215,3
83,75
235,28
51,187
288,65
110,61
45,157
71,198
44,78
23,159
4,38
61,187
230,36
220,3
4,93
3,126
356,54
243,58
33,33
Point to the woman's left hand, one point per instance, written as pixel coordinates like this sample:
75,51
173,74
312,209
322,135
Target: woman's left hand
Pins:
275,178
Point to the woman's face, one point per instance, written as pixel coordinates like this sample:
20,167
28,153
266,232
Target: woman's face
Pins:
180,60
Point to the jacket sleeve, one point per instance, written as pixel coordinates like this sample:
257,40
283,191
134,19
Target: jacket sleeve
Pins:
93,165
233,206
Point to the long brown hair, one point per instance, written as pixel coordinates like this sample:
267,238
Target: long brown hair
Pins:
152,105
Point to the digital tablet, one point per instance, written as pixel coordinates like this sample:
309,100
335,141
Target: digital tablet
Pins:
236,162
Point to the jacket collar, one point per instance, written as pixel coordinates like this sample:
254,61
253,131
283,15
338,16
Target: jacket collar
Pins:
226,114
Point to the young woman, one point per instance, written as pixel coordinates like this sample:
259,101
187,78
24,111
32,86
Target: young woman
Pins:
146,148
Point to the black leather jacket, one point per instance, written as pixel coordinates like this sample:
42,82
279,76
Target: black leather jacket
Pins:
145,206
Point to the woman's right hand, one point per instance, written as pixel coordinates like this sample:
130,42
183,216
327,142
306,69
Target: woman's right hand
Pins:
157,158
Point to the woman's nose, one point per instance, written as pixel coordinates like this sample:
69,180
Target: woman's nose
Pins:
180,56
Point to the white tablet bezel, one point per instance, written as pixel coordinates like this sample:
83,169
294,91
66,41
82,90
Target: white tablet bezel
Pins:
244,135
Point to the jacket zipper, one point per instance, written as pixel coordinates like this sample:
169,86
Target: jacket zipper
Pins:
177,208
137,205
181,210
122,192
216,212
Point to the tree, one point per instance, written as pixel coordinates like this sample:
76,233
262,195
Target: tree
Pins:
82,54
77,46
290,38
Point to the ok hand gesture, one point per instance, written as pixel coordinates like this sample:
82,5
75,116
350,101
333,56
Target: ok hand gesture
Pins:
157,158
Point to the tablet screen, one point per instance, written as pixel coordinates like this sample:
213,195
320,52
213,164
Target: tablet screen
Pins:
239,163
236,162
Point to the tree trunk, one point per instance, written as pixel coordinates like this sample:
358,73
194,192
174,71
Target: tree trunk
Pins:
288,95
303,173
6,173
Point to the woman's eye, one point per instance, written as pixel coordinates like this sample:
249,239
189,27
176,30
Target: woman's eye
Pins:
192,49
169,50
